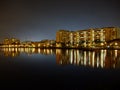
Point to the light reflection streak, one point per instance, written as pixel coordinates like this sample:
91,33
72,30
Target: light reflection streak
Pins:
93,57
102,58
89,54
84,58
71,56
116,53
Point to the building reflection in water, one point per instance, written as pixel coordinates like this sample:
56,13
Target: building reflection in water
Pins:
13,52
95,59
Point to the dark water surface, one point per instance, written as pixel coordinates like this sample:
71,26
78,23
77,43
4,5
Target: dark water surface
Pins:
59,69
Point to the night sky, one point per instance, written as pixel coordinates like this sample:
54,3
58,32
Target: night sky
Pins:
40,19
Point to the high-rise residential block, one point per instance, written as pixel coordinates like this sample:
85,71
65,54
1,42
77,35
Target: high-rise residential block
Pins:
87,38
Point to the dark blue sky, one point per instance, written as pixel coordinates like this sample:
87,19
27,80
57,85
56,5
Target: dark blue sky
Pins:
37,19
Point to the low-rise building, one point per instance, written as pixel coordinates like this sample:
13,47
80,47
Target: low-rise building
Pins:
11,42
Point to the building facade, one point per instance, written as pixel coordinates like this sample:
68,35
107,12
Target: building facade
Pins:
97,37
10,42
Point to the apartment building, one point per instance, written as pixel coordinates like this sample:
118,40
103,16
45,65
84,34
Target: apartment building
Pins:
87,38
10,42
62,38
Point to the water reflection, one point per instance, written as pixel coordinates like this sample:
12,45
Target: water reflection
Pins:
98,58
95,59
13,52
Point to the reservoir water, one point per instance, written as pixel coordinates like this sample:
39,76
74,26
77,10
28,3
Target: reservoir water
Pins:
63,69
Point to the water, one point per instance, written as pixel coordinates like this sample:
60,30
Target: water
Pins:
59,69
